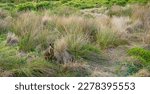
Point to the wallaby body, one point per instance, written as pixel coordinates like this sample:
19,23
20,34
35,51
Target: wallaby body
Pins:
62,57
49,53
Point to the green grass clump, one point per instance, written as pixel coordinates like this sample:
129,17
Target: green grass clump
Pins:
118,2
7,6
141,54
42,5
36,68
26,6
76,43
35,5
81,48
81,4
27,43
108,38
85,51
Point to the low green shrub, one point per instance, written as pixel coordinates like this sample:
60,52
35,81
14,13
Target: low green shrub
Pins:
26,6
81,4
118,2
141,54
43,5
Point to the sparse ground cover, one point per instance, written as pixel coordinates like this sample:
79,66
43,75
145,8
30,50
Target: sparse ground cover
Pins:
74,38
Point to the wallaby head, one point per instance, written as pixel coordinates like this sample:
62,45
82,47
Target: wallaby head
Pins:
51,45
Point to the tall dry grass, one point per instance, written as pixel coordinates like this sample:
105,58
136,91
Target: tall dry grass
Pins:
5,21
38,31
33,32
142,13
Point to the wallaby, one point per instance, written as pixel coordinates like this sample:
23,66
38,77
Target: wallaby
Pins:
62,58
12,39
49,52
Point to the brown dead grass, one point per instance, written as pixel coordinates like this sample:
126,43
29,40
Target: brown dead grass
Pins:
143,73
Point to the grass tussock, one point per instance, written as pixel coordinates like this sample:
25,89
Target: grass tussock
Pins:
107,39
33,32
141,13
5,21
120,11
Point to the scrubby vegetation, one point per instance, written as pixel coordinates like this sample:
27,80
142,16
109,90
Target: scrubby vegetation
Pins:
20,5
143,57
74,38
